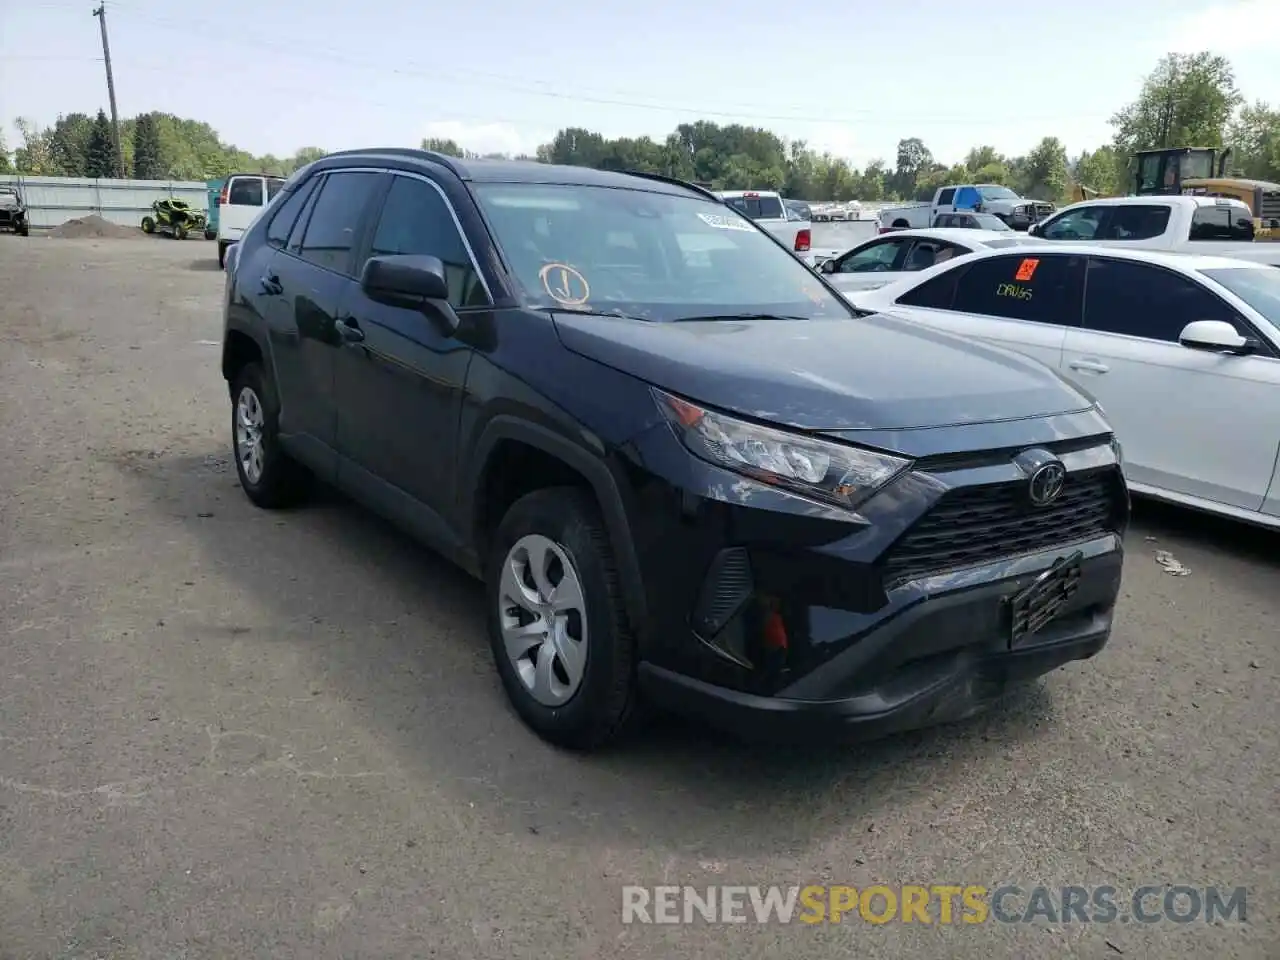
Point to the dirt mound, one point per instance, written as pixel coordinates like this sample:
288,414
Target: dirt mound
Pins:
93,226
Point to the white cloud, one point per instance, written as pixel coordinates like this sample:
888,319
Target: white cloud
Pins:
484,137
1229,26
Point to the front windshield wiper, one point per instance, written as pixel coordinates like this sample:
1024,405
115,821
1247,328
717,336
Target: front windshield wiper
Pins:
741,316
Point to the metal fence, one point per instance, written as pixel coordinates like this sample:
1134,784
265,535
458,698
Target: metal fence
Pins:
55,200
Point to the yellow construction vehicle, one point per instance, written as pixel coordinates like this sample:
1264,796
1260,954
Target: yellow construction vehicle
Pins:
1199,171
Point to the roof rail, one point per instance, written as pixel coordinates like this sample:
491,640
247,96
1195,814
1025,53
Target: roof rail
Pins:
444,160
675,181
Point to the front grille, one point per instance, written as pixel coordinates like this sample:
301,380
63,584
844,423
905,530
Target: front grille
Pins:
974,525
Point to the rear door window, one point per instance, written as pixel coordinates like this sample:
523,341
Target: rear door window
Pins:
1045,288
1135,222
245,192
333,231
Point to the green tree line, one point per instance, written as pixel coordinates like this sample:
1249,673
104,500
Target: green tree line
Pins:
1187,100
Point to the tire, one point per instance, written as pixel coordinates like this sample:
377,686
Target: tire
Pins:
180,231
271,479
222,256
211,234
24,230
148,225
563,524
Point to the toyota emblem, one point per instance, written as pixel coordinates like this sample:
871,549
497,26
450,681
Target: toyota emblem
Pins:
1047,483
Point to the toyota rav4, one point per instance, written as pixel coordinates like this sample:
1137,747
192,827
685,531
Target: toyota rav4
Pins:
687,472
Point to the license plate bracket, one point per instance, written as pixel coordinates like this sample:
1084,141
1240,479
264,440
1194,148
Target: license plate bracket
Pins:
1039,603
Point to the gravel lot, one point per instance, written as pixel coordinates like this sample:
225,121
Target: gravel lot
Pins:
225,733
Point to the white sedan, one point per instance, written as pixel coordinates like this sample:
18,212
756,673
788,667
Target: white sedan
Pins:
1182,351
891,256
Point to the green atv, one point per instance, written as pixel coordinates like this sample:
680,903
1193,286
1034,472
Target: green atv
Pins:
175,218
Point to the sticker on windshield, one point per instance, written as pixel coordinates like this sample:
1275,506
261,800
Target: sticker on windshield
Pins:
724,223
1026,270
564,284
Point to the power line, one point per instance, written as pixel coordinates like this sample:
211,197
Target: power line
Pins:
316,55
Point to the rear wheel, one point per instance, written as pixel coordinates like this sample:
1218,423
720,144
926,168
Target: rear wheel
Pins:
222,256
24,229
148,225
270,478
557,625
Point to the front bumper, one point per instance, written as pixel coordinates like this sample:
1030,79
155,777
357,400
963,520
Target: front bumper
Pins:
773,617
944,659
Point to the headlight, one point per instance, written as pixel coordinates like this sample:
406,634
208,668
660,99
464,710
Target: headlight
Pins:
831,472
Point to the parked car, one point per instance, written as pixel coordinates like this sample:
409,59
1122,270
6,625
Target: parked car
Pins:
1215,226
770,211
1018,212
243,197
887,258
798,211
683,467
13,212
972,221
1183,351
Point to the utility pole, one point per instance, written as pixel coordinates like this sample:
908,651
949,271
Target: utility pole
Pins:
101,14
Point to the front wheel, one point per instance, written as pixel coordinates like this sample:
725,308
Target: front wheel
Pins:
222,255
180,231
148,225
557,625
270,478
24,229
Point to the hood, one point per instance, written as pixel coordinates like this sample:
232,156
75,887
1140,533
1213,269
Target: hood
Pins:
874,373
9,202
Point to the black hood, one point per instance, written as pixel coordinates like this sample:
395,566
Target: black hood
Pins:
876,373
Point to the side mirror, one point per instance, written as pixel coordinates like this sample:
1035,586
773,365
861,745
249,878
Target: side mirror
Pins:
1034,230
411,281
1215,335
827,266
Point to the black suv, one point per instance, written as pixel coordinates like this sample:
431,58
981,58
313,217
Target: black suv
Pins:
685,468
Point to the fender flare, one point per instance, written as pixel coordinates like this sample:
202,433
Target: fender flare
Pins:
609,495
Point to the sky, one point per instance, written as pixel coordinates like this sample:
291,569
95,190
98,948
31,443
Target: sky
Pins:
499,75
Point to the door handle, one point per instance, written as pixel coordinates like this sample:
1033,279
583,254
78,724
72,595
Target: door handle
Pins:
1092,366
271,284
349,330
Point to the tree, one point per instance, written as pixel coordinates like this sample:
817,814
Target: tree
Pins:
148,164
914,159
1101,170
100,161
1186,101
5,165
69,144
1043,174
33,156
449,148
1255,139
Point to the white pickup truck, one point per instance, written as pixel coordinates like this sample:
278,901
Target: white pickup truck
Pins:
766,208
1018,212
1179,224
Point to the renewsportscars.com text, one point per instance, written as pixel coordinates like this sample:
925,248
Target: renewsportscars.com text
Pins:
941,904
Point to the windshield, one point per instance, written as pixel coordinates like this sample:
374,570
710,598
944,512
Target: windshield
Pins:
641,254
997,193
987,221
1259,287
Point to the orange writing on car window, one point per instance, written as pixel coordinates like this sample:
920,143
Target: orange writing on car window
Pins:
1026,270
